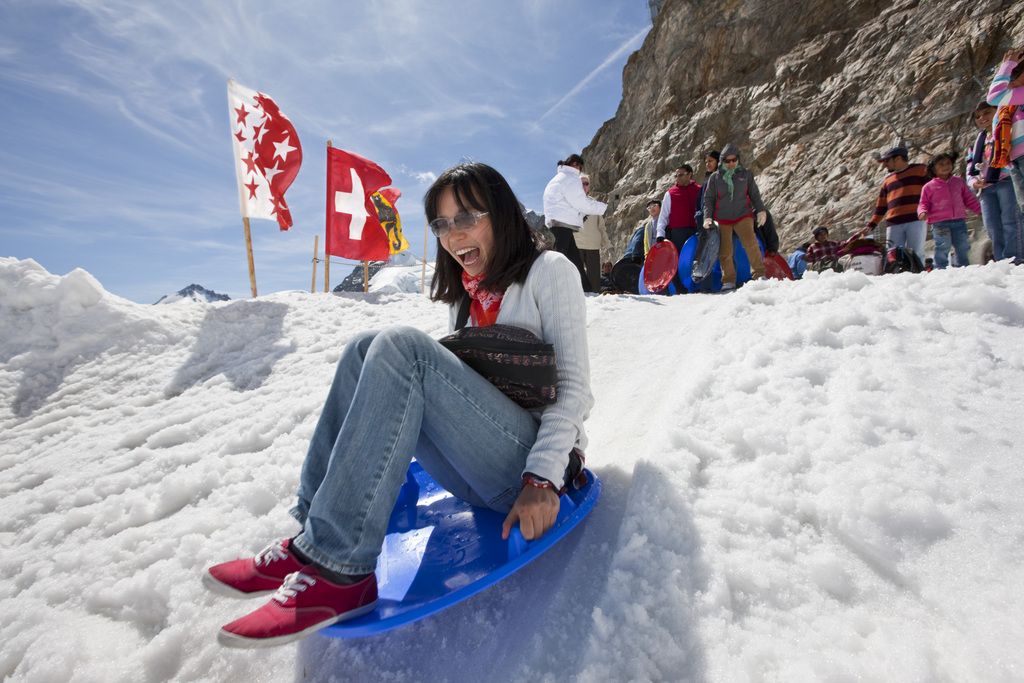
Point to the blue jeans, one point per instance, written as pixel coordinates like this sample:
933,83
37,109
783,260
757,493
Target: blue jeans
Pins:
1002,219
910,235
1017,177
398,393
954,232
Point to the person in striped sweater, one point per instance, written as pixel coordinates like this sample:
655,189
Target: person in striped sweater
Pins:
1007,93
897,202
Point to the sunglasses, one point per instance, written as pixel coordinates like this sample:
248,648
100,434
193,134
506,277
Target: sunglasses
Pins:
462,222
730,160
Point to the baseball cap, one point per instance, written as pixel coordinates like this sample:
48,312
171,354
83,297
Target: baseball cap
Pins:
894,152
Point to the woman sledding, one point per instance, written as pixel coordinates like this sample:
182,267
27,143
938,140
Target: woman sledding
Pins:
398,393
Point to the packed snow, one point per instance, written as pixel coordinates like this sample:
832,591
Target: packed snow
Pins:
804,481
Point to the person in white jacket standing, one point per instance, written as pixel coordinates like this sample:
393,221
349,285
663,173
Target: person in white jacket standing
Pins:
565,204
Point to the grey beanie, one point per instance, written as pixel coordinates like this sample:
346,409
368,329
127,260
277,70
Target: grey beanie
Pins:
730,149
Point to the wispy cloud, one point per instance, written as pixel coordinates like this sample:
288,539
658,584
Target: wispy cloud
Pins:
630,44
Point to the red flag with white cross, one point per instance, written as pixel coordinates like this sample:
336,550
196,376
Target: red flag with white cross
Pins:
353,227
267,154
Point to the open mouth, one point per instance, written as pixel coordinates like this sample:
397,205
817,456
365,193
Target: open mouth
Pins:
468,255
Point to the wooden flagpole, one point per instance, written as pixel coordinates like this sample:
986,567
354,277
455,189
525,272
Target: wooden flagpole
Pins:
426,251
316,248
327,255
366,276
248,250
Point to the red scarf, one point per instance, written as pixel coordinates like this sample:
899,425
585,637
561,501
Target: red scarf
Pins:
1002,137
484,305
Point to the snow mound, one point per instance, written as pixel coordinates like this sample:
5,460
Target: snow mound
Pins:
813,480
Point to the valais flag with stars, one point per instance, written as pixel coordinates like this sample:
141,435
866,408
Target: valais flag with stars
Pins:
353,227
267,154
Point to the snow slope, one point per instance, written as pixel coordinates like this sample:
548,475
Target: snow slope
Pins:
813,480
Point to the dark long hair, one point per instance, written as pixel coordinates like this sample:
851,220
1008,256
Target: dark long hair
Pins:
572,159
478,187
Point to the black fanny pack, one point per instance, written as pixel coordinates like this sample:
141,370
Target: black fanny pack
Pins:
511,358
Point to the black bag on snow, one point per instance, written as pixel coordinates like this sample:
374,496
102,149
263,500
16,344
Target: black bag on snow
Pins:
903,260
626,275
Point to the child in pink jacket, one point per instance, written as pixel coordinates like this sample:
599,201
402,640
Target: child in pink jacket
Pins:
944,203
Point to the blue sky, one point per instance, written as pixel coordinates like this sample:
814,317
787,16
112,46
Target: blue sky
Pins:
116,155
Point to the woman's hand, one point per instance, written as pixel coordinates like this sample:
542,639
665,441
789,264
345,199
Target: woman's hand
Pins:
762,218
708,223
535,509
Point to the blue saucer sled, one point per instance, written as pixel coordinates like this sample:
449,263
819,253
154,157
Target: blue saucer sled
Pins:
440,550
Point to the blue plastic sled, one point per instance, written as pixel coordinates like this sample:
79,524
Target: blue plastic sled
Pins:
689,250
440,550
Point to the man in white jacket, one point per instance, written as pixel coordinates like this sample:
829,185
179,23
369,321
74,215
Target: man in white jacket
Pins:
565,204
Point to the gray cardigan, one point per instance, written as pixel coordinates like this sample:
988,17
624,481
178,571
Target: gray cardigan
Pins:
745,201
550,303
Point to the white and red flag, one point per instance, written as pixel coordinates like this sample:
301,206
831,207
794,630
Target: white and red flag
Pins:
267,154
354,230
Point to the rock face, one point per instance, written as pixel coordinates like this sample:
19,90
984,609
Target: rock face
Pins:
809,90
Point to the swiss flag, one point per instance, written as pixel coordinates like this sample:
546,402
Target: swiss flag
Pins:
267,154
353,228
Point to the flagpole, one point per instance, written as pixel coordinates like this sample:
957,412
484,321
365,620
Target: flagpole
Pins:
366,276
316,248
327,241
426,251
248,249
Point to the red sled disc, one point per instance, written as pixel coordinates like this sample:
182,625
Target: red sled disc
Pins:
776,267
660,266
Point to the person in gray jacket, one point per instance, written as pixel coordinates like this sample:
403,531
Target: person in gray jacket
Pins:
732,200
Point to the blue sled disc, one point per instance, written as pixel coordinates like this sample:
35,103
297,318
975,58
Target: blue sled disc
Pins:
440,550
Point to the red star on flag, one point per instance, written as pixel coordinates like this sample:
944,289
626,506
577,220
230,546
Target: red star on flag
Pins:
267,154
250,163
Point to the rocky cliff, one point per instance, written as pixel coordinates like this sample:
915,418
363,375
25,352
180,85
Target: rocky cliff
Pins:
809,90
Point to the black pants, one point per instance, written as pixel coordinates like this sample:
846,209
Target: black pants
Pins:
678,237
592,265
565,243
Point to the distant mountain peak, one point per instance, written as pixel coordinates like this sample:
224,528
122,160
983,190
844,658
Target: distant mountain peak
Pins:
193,292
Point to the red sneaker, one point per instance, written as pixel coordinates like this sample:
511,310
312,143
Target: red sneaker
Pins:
252,576
304,603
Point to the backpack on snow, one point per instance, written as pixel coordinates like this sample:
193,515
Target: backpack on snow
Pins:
903,260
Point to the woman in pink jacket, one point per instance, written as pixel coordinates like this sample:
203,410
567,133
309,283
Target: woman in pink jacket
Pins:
944,203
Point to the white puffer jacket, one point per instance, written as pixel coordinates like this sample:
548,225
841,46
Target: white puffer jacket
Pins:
565,201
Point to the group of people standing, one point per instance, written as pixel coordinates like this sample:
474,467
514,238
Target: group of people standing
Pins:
914,198
729,198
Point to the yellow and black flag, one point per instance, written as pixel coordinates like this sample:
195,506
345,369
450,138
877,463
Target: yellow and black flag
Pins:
384,200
